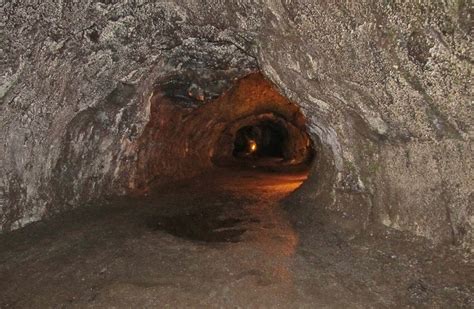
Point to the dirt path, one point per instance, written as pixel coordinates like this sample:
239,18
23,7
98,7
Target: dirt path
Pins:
221,240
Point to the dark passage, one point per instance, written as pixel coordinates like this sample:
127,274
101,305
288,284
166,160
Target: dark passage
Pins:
267,139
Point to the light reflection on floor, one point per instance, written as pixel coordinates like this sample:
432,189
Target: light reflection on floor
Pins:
218,241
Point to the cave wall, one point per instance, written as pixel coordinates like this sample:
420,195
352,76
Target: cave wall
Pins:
385,86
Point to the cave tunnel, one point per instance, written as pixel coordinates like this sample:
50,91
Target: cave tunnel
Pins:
263,140
249,126
248,139
268,140
236,154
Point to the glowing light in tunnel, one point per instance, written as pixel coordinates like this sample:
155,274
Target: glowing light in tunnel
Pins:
252,146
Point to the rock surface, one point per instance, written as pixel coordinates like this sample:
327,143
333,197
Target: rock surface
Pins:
386,89
222,241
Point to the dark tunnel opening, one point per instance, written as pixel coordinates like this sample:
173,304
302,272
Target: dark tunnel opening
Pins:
264,140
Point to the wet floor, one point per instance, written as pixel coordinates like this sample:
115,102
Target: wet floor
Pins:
221,240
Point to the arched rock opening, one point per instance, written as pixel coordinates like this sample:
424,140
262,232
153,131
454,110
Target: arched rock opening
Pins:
183,140
248,140
263,140
266,139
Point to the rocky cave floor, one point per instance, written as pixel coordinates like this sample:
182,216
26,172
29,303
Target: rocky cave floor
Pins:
221,240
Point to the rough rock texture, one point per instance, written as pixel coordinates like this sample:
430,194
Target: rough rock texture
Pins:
386,89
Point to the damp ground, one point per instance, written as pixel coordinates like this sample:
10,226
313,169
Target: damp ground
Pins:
221,240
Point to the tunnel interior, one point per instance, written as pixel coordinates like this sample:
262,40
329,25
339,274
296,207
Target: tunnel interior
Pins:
248,125
268,154
264,140
250,138
267,140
